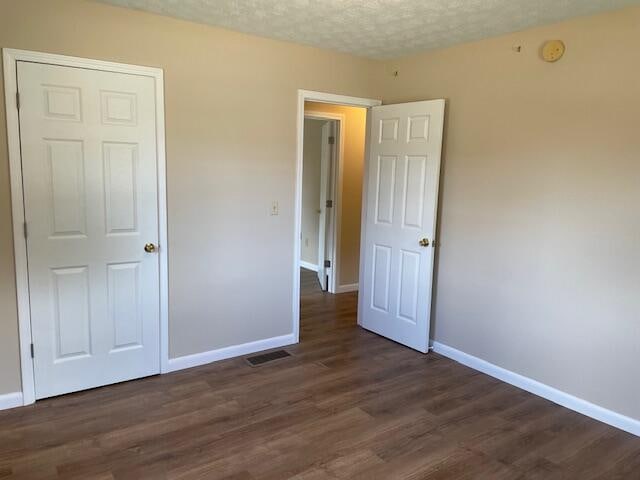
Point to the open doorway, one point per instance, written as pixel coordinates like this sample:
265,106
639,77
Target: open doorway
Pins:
321,155
396,193
332,182
333,155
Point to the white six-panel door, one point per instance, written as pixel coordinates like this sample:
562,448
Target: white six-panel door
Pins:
89,164
401,175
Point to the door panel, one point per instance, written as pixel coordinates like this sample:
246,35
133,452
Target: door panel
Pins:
401,178
385,192
120,187
381,270
66,185
408,288
72,330
413,198
125,309
89,164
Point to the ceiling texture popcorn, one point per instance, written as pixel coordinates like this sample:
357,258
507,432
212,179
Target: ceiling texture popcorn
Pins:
376,29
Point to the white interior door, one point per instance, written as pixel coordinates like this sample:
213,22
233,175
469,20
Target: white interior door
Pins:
401,175
91,204
322,208
325,233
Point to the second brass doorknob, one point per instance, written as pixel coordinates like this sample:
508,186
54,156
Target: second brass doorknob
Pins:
424,242
149,248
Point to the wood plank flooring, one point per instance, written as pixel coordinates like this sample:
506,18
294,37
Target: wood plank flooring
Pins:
347,405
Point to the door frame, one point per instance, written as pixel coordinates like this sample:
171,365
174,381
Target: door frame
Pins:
336,189
320,97
10,59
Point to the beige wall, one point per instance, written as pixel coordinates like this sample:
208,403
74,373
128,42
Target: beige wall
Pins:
539,259
231,141
311,156
538,269
355,122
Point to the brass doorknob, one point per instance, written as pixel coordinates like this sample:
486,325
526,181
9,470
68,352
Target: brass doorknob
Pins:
424,242
149,248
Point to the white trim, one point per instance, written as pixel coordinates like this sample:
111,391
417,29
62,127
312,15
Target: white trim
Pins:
163,239
334,99
203,358
363,212
11,400
10,57
303,96
336,188
567,400
19,244
308,266
350,287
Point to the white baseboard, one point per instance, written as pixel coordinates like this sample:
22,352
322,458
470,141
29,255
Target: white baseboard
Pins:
309,266
203,358
11,400
567,400
351,287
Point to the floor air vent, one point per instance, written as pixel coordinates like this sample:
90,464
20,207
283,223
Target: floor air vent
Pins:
267,357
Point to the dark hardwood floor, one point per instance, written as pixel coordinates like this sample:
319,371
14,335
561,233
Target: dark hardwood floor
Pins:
346,405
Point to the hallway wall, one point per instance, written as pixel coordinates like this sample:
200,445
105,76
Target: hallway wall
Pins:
351,194
311,156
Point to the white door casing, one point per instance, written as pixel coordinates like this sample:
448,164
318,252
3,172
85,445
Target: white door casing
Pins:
402,176
89,161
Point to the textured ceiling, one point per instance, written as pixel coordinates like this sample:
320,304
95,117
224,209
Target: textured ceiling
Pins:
375,28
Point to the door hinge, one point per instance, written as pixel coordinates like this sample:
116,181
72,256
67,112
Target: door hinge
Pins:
18,100
327,264
24,228
32,351
329,204
332,140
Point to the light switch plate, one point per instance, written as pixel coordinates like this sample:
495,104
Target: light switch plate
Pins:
274,208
